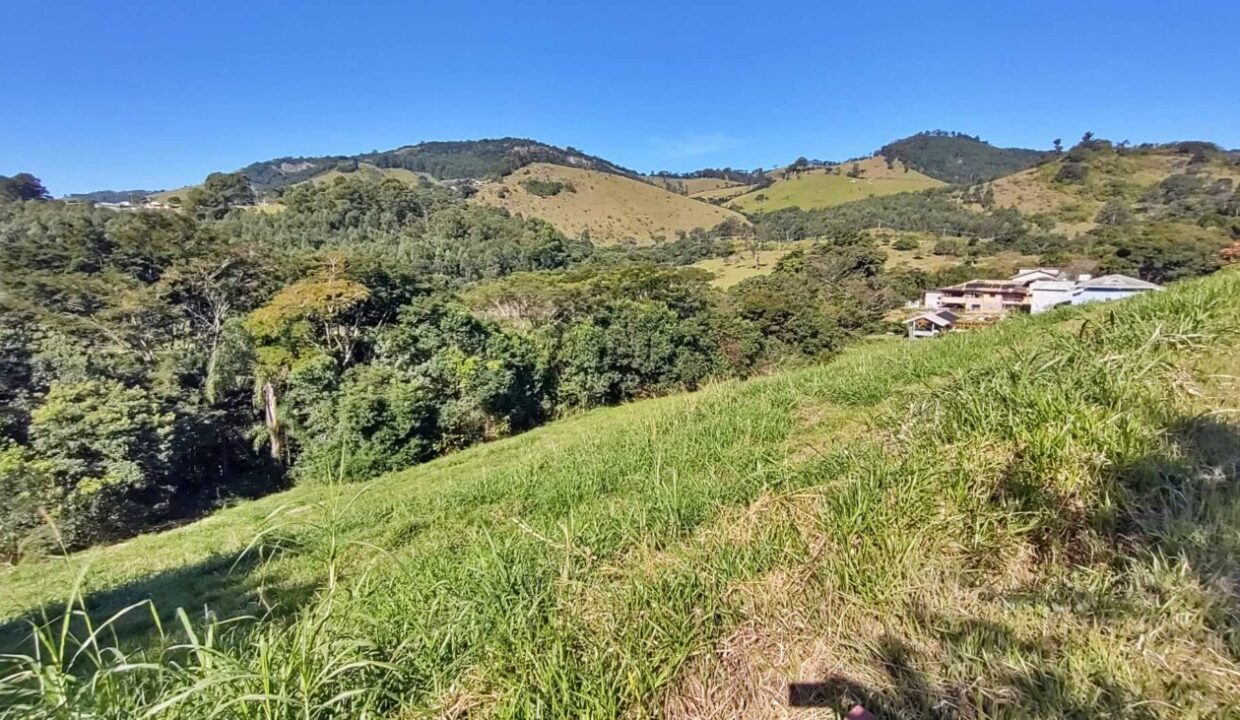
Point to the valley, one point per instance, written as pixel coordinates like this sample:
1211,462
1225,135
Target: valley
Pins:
484,426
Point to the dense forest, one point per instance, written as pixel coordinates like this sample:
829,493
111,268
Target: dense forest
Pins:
157,363
958,158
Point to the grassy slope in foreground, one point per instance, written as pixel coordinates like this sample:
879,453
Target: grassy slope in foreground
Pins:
611,207
1037,520
818,189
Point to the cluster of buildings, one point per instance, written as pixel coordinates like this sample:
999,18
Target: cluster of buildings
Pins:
1031,290
130,205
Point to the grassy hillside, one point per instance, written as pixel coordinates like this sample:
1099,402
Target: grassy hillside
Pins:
691,186
741,264
610,207
372,172
818,188
956,158
1037,520
441,160
1128,178
463,159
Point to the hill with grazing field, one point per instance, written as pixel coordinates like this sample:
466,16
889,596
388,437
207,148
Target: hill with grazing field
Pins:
691,185
826,187
1035,520
916,253
374,172
440,160
1159,182
611,208
957,158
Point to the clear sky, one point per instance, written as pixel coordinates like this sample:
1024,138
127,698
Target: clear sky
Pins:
123,95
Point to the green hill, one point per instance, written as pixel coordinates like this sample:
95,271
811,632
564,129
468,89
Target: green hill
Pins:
1174,182
826,187
610,208
109,196
1035,520
465,159
958,158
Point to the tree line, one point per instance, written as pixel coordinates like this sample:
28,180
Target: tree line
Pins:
157,364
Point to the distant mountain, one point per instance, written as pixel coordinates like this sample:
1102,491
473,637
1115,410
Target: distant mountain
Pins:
110,196
958,158
453,160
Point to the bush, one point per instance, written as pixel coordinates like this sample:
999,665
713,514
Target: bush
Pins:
1072,172
109,447
547,188
949,246
383,420
28,490
905,243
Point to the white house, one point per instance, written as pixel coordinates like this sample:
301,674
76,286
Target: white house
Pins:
1034,290
1025,276
1110,287
1046,294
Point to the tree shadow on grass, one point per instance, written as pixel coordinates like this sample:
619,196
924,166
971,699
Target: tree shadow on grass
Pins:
225,586
1020,680
1181,504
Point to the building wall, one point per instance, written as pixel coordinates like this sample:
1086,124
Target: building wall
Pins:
1050,295
1103,295
979,302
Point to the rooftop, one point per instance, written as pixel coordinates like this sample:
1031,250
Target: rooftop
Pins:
1117,282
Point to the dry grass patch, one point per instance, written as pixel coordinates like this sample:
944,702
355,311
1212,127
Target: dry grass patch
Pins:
609,207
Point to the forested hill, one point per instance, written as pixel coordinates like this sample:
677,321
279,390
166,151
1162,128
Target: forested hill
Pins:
109,196
958,158
472,159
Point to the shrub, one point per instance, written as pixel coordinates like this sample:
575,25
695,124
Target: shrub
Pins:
110,447
1072,172
905,243
547,188
948,246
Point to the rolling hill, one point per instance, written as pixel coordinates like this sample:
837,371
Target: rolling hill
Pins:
448,160
373,172
109,196
1147,181
610,207
826,187
957,158
1034,520
691,186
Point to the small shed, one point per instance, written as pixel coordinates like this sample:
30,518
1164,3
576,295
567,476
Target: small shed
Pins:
930,324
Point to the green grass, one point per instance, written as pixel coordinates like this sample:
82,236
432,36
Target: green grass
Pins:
1036,520
817,189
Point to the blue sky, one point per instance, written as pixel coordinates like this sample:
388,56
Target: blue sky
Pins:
155,95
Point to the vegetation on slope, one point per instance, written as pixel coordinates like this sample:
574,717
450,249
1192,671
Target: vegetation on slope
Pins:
1038,520
1156,212
157,364
691,186
958,158
110,196
604,207
490,158
814,187
1097,183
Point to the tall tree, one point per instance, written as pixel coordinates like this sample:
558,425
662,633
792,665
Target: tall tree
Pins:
22,186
